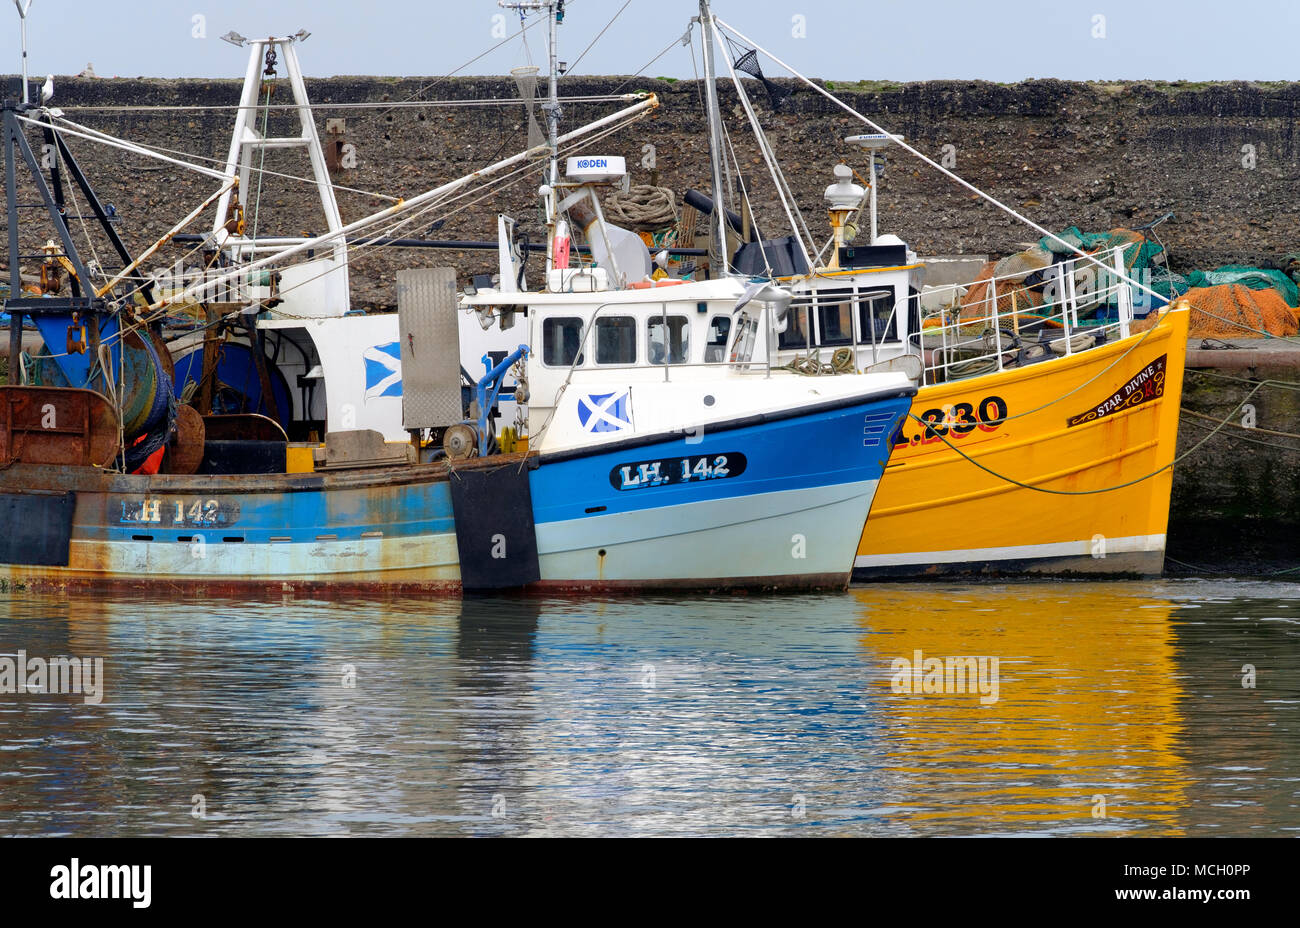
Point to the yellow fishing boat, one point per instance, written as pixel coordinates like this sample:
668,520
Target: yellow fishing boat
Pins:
1062,466
1043,431
1042,436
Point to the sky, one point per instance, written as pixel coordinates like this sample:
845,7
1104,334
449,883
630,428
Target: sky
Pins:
901,40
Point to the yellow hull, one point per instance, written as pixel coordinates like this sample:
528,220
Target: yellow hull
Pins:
1088,422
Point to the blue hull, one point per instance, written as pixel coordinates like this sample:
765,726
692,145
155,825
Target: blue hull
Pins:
763,503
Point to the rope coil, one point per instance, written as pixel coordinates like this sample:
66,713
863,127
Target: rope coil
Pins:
644,208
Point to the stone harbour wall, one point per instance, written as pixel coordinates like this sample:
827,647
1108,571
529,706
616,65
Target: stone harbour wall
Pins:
1222,157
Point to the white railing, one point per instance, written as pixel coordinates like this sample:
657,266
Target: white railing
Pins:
1024,317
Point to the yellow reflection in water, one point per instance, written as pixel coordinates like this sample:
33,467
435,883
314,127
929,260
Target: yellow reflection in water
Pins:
1087,696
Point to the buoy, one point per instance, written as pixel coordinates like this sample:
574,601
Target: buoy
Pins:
560,258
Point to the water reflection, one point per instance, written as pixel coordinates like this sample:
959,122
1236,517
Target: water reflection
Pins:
1245,738
1087,710
666,716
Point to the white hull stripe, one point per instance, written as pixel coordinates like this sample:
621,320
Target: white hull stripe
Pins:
1128,545
808,531
434,554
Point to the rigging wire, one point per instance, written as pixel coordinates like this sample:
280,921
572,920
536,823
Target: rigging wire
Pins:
897,140
158,152
261,164
685,39
770,159
450,74
596,39
414,104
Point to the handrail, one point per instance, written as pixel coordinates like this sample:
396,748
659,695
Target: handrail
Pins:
960,353
808,300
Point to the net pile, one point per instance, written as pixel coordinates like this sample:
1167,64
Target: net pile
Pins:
1244,301
1237,311
1233,301
1030,279
1256,278
1020,288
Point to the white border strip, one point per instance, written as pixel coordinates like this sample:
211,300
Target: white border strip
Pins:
1128,545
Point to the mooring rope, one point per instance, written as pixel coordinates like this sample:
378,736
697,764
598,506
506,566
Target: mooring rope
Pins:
1119,486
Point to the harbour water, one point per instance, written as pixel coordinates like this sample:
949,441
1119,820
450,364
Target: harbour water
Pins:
1140,708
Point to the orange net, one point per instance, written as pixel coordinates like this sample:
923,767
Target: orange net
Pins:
1012,295
1234,311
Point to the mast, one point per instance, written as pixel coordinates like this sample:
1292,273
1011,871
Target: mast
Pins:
23,7
247,142
718,229
15,276
555,13
554,10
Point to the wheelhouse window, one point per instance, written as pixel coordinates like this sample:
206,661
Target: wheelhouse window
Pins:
715,348
914,316
835,317
742,348
616,340
668,344
561,340
876,315
796,334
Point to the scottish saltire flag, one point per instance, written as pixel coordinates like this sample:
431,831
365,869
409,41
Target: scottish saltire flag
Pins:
605,412
383,370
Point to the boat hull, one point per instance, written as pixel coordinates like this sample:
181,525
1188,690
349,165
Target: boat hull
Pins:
386,528
785,513
1091,421
746,513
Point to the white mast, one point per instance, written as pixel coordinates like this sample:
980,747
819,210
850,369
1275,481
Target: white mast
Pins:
22,15
332,294
554,10
719,230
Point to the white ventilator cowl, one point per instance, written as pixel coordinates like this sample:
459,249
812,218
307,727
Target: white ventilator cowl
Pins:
844,194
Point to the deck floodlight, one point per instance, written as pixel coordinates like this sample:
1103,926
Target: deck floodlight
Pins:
233,37
301,35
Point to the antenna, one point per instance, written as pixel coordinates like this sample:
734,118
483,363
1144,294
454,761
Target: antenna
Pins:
873,142
23,7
